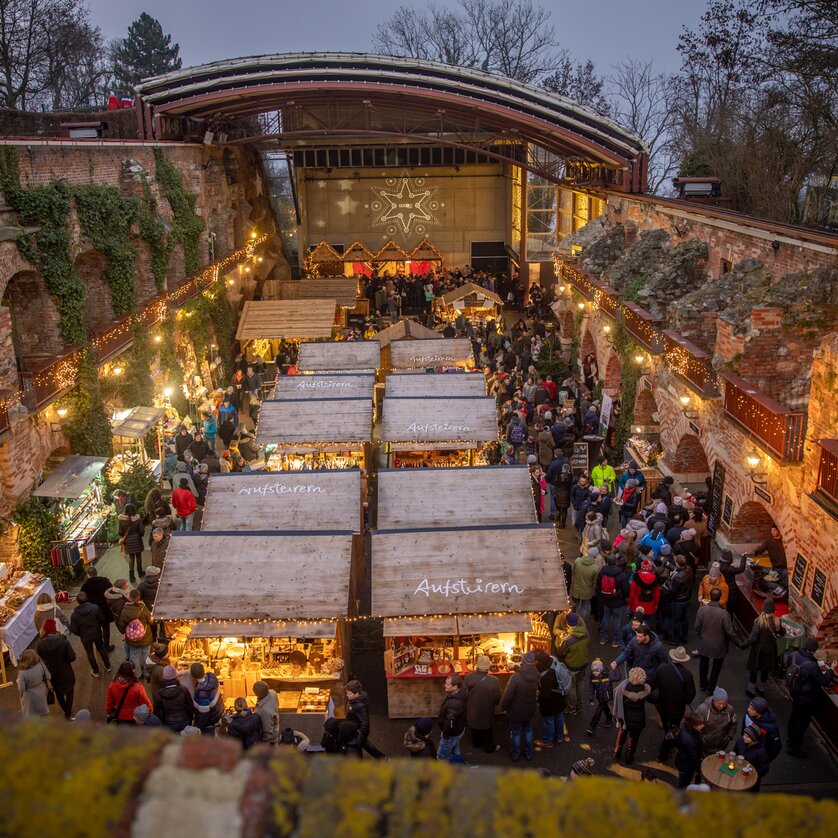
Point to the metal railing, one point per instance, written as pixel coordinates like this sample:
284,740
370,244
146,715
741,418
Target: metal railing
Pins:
828,469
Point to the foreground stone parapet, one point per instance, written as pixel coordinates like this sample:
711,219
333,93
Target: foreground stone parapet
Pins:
93,780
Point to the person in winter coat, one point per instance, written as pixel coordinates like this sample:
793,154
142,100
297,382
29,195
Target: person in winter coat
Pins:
86,623
663,492
751,745
629,501
680,586
676,690
125,694
645,652
417,738
539,491
95,587
629,631
136,648
172,702
688,743
482,696
182,442
452,717
719,722
163,519
32,684
713,579
183,500
805,692
148,586
760,715
630,711
551,702
57,655
573,653
594,532
561,495
358,711
654,539
604,474
762,642
244,725
519,703
632,473
207,704
600,694
644,590
612,588
583,588
159,545
47,609
578,496
545,446
267,708
143,717
714,628
131,531
115,598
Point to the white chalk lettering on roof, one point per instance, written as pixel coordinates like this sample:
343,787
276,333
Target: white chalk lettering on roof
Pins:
427,359
436,427
322,385
281,489
464,587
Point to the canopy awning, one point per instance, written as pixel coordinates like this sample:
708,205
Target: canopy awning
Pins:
71,477
278,628
335,355
455,423
292,319
417,354
329,385
344,291
289,501
445,497
467,570
255,576
138,422
435,385
449,625
406,328
316,424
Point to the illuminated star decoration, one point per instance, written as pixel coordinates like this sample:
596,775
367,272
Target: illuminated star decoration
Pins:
404,205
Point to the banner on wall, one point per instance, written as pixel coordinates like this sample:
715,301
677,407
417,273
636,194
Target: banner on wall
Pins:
605,414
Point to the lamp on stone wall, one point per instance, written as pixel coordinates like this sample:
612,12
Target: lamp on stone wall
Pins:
640,359
685,400
754,459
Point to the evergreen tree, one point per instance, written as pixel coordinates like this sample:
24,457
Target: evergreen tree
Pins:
144,53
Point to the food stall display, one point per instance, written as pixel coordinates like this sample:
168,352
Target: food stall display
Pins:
315,433
446,431
442,354
443,618
129,429
262,606
340,355
75,486
325,385
435,385
19,592
471,301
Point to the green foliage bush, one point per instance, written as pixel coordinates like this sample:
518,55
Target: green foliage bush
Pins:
135,386
38,527
87,428
154,234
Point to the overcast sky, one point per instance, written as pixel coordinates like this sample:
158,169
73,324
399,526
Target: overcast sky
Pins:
604,30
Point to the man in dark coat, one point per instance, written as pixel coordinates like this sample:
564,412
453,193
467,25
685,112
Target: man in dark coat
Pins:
612,587
676,690
812,678
452,718
715,631
95,586
644,651
58,656
482,696
173,702
86,622
358,711
519,703
245,725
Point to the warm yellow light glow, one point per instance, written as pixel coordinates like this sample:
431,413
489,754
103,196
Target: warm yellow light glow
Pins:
581,305
158,338
685,400
638,359
253,235
247,270
562,288
117,370
167,392
62,412
606,329
230,282
260,260
753,459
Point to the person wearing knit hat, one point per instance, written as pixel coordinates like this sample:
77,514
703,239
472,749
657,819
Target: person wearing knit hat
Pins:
713,579
760,715
57,655
417,739
600,693
173,703
719,722
582,768
805,677
267,709
481,702
143,717
630,712
83,715
751,746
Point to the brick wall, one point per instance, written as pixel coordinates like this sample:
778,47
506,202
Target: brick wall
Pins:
644,406
752,523
689,456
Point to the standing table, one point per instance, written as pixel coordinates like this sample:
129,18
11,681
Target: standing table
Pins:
715,777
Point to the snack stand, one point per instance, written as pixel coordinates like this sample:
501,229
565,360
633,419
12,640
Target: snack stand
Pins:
437,620
76,487
420,432
475,303
19,592
262,606
325,385
309,434
401,385
129,433
339,356
442,354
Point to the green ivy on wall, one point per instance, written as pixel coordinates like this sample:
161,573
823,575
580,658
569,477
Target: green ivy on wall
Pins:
154,235
630,374
135,385
210,310
173,373
187,225
106,217
48,208
87,427
38,527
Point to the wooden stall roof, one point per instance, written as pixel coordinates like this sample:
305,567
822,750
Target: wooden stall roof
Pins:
406,328
357,252
416,354
292,501
298,319
273,628
412,626
467,570
71,477
329,385
425,252
445,497
323,253
255,576
471,288
334,355
391,252
138,422
344,291
316,424
435,385
452,422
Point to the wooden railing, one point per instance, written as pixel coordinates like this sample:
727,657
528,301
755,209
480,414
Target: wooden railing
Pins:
4,412
44,380
111,341
828,469
779,429
691,362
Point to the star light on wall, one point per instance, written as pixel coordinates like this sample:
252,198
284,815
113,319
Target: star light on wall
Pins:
404,205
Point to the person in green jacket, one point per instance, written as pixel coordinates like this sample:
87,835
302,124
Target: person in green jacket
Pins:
603,474
583,586
573,652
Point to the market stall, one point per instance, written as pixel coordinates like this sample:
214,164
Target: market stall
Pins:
343,291
308,434
357,259
262,606
445,353
19,592
76,488
130,429
437,432
406,329
324,259
436,385
471,301
339,356
325,385
391,258
437,620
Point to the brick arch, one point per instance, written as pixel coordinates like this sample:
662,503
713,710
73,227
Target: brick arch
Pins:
645,405
566,324
90,266
752,522
689,456
588,344
34,316
612,380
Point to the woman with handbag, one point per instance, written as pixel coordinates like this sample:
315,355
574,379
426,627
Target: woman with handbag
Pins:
125,694
131,530
33,685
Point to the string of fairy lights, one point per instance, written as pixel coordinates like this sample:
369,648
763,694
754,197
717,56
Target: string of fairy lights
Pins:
63,373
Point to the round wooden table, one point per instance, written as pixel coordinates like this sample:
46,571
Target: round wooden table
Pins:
711,771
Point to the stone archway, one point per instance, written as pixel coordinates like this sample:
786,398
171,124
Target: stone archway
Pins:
645,406
689,457
34,316
90,266
612,381
587,345
752,523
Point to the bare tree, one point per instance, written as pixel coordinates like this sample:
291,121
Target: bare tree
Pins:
80,70
577,81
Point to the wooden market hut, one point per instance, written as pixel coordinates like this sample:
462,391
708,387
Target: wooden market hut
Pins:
325,260
129,434
471,301
435,385
390,257
263,323
335,355
325,385
444,353
343,291
424,258
358,259
406,329
437,619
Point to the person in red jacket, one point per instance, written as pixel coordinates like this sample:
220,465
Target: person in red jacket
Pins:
125,694
645,590
185,505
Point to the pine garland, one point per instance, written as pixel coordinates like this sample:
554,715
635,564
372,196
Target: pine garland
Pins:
87,428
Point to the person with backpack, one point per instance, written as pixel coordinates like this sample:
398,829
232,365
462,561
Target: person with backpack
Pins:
644,591
612,589
553,686
452,718
207,704
600,694
135,624
760,715
516,435
482,696
805,679
762,642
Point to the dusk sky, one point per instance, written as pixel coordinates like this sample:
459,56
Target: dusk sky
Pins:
207,30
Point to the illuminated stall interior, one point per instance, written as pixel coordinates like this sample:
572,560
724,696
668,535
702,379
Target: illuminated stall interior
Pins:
471,301
130,428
